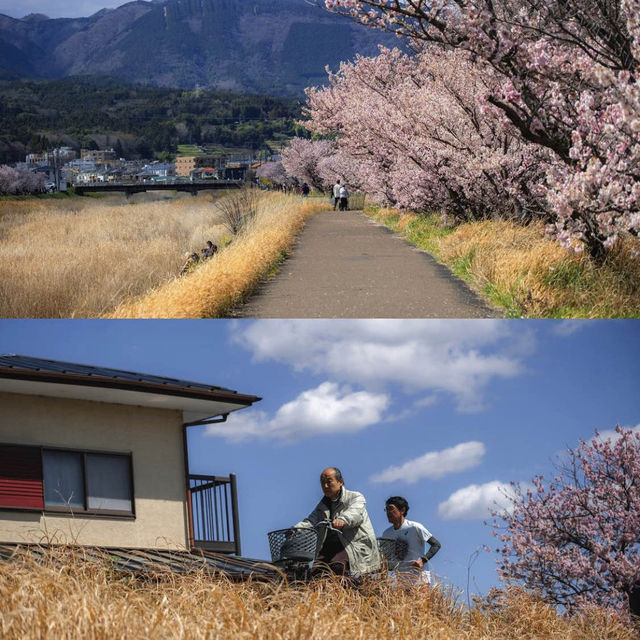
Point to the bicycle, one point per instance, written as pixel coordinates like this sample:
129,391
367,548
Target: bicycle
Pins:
393,551
294,549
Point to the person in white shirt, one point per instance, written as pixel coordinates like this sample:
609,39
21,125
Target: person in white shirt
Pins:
336,194
412,568
344,199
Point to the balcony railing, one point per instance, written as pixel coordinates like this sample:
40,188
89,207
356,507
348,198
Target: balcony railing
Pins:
213,513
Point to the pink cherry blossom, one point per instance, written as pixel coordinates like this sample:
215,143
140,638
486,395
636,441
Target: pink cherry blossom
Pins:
576,538
560,76
20,181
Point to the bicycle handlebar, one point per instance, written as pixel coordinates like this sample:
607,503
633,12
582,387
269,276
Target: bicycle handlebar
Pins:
329,524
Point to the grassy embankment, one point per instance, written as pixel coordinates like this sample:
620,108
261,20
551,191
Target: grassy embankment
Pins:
72,600
523,272
81,257
224,281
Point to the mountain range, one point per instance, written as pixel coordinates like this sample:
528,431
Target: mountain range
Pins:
276,47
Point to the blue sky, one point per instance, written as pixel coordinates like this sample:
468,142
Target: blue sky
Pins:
443,412
56,8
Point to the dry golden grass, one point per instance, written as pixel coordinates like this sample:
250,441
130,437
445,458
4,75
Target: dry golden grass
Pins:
68,599
81,257
524,271
222,282
85,257
538,278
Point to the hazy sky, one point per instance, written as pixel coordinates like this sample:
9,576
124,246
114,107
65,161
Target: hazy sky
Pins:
445,413
56,8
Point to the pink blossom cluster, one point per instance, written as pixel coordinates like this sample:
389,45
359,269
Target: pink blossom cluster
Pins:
577,538
416,135
273,171
20,181
303,159
319,163
562,76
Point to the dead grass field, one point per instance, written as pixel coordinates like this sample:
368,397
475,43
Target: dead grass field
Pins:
223,282
84,257
73,600
526,273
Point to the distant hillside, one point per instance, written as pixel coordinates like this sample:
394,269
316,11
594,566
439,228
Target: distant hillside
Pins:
277,47
136,121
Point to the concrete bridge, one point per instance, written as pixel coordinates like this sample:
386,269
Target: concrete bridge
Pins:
129,188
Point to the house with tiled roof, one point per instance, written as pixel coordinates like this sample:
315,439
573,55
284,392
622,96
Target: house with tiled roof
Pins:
97,456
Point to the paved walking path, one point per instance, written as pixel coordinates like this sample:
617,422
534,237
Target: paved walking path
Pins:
344,265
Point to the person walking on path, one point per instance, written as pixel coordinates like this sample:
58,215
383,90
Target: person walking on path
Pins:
344,198
336,194
412,568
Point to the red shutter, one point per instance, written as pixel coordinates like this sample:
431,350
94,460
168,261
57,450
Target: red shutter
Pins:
21,477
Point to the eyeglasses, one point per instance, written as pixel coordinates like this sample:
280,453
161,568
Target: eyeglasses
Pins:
391,507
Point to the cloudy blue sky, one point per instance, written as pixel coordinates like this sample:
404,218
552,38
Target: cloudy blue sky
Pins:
56,8
445,413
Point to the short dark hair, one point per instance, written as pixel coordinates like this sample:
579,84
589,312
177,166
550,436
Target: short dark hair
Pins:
337,472
400,503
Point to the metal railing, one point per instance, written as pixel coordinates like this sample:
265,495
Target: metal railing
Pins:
213,512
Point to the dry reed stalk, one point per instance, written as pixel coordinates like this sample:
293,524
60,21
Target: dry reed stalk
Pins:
80,258
224,280
64,597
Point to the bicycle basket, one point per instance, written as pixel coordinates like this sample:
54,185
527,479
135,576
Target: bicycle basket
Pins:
293,544
393,551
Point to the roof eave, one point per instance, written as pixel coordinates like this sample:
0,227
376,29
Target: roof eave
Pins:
128,385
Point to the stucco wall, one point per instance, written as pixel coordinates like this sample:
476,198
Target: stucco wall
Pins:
152,436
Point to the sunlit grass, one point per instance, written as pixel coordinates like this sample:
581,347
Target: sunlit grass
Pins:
81,257
84,257
223,282
63,597
524,272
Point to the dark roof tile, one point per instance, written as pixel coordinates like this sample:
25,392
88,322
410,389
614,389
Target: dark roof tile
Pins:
12,361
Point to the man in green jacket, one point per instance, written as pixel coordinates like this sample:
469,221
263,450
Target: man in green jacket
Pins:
353,547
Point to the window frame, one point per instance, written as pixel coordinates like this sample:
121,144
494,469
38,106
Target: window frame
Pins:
68,510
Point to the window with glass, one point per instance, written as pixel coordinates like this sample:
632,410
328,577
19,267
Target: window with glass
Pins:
63,480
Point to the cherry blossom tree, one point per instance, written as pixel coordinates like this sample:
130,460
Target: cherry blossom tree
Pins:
563,73
302,158
20,181
577,538
418,137
273,171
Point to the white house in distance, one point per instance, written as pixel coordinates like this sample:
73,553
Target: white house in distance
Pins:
98,457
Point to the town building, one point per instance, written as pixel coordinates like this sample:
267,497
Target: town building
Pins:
96,456
99,156
185,165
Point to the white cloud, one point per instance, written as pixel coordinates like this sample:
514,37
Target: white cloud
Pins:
329,408
454,356
476,502
426,402
435,464
569,327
